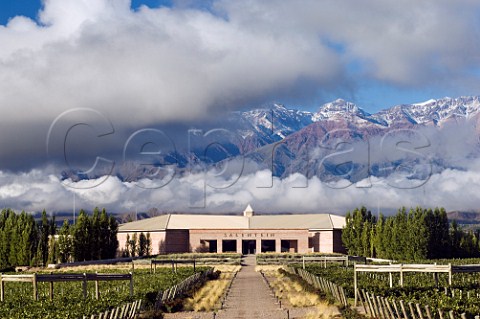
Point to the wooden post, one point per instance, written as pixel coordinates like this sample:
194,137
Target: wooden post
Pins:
412,311
371,305
97,290
395,307
419,311
401,275
404,310
429,313
355,282
84,285
450,274
2,289
303,261
35,290
51,288
390,277
131,284
383,308
389,308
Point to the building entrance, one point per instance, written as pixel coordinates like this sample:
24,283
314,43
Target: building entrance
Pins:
249,246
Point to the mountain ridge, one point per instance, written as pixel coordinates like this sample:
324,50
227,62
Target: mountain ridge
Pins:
294,135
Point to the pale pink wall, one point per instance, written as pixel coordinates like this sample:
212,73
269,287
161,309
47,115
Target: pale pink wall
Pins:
326,241
184,241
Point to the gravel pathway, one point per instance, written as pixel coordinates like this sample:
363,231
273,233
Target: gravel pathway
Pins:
250,296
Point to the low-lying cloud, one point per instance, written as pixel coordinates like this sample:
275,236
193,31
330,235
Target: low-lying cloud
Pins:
209,192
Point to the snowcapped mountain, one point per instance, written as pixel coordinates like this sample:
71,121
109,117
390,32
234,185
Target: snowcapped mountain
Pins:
275,121
428,129
339,108
432,112
298,141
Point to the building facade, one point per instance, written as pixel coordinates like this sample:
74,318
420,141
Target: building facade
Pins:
247,234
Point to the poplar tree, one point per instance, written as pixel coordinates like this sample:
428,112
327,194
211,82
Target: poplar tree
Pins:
347,234
81,238
134,245
112,237
149,244
44,232
142,245
95,234
65,243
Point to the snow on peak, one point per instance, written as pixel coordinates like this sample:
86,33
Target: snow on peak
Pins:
426,103
432,111
340,109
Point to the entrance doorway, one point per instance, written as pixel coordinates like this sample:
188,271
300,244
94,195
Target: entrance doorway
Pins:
249,246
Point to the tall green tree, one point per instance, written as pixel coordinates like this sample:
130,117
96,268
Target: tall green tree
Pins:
149,244
81,238
44,232
112,246
142,245
65,243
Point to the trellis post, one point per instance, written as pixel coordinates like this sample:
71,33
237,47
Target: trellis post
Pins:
131,284
84,285
35,290
401,275
51,288
355,282
97,290
449,274
2,289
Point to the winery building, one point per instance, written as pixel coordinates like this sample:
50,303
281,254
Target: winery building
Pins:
247,234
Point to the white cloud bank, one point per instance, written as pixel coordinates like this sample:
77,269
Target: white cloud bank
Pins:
34,191
165,64
146,66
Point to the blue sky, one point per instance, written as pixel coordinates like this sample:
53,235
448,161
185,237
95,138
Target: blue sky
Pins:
371,93
30,8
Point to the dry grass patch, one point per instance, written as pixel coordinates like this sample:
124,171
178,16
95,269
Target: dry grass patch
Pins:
288,289
324,311
208,298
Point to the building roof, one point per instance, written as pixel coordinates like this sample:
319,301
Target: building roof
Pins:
196,221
